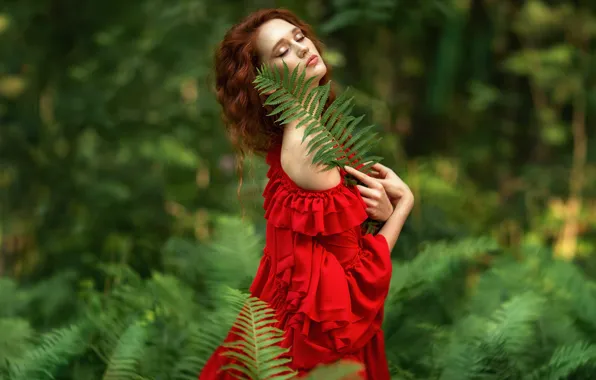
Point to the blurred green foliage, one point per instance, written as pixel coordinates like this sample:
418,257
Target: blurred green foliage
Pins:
121,248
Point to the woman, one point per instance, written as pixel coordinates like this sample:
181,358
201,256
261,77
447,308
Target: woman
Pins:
326,280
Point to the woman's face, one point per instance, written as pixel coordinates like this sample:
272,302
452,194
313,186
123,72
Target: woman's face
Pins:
279,41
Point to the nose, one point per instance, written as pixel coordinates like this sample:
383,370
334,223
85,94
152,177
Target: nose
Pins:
302,50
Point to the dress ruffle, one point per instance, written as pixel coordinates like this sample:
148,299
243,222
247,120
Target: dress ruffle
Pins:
310,212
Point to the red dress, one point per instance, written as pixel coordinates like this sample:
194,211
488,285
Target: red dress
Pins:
326,280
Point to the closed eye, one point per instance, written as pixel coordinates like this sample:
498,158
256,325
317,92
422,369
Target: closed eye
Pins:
299,37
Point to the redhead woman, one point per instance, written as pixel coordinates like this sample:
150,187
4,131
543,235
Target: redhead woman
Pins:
325,278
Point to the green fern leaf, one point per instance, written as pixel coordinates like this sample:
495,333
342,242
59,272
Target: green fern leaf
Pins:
463,362
331,132
257,355
566,360
499,345
124,360
208,334
436,262
54,349
513,323
15,336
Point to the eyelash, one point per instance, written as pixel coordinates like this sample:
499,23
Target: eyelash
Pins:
300,39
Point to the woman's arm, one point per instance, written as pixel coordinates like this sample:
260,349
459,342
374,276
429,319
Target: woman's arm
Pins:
400,194
393,226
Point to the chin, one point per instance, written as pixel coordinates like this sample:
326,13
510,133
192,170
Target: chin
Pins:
318,71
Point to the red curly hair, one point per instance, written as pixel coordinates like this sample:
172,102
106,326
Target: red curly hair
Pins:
236,62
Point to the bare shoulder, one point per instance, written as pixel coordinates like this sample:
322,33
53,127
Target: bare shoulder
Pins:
297,165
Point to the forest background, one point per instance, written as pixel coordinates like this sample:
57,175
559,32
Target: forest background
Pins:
123,245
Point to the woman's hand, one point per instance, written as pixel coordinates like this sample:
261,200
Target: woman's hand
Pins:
374,195
399,192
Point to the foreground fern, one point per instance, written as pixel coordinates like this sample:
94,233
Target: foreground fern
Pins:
54,349
527,317
566,360
257,353
206,336
124,361
498,344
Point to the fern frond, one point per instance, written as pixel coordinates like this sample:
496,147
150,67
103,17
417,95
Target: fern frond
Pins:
237,250
257,354
330,134
108,327
207,335
55,349
571,286
15,337
500,345
566,360
124,360
513,323
463,362
434,263
172,297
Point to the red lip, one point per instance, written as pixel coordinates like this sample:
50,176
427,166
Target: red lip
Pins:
313,59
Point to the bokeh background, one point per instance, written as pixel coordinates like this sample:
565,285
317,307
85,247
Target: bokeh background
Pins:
122,235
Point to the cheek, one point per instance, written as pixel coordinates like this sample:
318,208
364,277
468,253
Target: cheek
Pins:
291,61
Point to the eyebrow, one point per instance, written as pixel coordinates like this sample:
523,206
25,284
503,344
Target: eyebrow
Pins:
296,29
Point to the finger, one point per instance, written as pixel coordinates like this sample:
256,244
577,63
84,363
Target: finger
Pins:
380,180
371,213
370,203
367,192
374,174
382,169
365,179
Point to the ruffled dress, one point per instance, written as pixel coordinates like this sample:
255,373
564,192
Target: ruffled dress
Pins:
326,280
